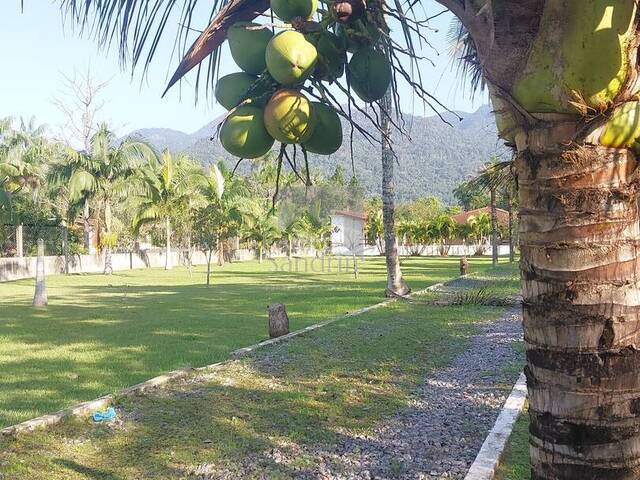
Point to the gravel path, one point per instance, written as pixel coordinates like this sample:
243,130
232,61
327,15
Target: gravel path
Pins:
439,435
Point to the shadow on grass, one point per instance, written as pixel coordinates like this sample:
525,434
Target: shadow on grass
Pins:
100,334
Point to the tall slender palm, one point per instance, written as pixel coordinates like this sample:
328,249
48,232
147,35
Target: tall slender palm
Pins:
99,176
167,184
562,76
260,224
223,194
497,177
396,285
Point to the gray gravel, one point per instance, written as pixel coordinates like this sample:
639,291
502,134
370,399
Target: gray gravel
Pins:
437,436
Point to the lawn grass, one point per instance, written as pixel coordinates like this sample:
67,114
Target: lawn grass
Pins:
103,333
515,463
296,399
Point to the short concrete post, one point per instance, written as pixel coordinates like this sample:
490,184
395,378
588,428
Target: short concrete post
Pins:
40,296
278,320
464,266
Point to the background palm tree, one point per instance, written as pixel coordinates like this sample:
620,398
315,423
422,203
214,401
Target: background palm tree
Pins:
167,184
99,176
260,224
442,229
497,177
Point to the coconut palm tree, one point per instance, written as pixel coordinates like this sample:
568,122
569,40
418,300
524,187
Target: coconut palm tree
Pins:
396,285
220,216
260,224
562,77
223,194
497,177
167,184
100,176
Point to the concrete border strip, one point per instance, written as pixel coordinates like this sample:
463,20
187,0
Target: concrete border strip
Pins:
488,458
86,408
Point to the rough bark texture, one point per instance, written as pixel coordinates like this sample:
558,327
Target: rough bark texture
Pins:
512,253
278,320
557,71
395,282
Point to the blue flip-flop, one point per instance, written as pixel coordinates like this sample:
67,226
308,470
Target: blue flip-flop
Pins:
107,415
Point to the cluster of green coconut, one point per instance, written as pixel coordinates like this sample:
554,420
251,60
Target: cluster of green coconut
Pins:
266,99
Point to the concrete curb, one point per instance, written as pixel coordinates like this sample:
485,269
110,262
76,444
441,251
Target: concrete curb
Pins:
488,459
87,408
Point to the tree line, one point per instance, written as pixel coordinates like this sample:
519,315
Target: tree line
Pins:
125,192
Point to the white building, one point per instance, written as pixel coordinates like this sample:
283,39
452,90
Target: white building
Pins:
347,233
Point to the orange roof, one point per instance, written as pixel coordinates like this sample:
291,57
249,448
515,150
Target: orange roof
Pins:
347,213
502,215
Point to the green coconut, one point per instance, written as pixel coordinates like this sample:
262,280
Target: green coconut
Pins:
289,117
287,10
243,133
623,128
587,58
332,56
248,46
290,58
369,74
327,134
232,88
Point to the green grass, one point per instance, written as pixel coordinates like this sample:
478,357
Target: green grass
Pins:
515,462
301,396
103,333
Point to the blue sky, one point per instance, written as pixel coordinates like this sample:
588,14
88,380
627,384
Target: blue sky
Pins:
39,49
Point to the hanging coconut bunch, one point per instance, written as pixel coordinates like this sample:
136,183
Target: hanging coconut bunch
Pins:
295,68
282,92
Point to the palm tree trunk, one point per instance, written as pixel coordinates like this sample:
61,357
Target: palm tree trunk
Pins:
494,228
220,251
395,282
512,253
88,240
167,248
579,238
108,263
289,247
260,252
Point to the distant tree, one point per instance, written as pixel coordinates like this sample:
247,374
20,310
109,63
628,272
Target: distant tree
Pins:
477,229
220,217
442,229
99,175
374,227
260,224
497,177
167,183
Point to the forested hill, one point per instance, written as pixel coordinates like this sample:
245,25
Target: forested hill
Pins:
433,162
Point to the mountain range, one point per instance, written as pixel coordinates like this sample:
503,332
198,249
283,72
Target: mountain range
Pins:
435,158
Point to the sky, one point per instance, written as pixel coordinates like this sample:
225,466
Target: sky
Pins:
39,49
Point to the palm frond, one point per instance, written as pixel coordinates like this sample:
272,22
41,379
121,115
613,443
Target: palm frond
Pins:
463,51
